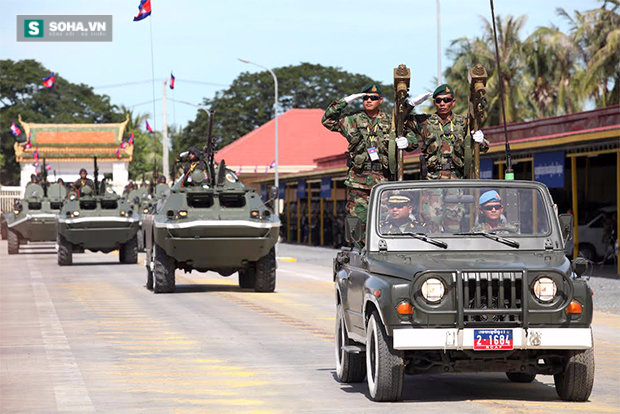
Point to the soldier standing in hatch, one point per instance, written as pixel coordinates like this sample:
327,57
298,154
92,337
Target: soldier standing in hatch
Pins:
442,136
82,182
194,164
368,133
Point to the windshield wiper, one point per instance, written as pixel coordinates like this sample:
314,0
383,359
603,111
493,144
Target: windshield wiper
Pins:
424,237
492,236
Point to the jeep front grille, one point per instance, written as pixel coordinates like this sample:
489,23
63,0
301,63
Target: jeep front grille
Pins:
492,297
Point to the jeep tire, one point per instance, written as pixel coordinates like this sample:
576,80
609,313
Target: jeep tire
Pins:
163,271
350,367
575,382
266,272
128,253
65,251
385,367
12,242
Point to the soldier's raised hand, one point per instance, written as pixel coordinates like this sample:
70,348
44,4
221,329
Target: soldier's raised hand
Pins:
353,97
417,100
478,136
402,143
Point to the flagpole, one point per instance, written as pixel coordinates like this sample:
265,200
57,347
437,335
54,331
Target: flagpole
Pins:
152,71
165,166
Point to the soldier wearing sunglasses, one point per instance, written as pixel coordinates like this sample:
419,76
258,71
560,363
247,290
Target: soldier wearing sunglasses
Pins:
492,214
442,136
369,133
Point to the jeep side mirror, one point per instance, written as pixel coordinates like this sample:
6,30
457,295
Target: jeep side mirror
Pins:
566,226
353,229
580,265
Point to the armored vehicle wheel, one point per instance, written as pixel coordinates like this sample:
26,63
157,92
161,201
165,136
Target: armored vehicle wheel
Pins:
128,253
4,230
575,382
247,277
65,251
140,236
266,272
523,377
12,242
149,278
384,366
163,272
350,367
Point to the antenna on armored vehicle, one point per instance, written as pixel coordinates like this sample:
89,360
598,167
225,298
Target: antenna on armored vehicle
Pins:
96,173
44,178
209,149
509,175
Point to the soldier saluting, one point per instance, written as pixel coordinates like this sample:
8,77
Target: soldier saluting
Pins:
368,132
194,165
82,182
442,136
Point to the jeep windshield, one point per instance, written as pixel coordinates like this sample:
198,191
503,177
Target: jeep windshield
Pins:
500,212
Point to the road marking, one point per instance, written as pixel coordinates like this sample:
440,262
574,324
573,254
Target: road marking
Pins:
287,259
69,388
305,275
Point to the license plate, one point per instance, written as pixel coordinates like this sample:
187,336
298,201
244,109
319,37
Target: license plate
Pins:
492,339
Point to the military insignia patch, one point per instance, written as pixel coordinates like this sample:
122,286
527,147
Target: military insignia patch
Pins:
374,88
231,177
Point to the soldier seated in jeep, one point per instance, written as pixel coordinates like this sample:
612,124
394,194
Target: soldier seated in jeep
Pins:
492,214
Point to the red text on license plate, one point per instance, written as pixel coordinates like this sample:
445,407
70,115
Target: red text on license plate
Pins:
492,339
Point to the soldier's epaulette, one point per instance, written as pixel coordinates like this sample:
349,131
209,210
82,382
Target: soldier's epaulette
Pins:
421,117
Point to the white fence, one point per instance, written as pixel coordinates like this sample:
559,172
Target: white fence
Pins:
8,195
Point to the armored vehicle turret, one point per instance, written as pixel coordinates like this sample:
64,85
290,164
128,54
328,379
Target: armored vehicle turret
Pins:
97,219
33,218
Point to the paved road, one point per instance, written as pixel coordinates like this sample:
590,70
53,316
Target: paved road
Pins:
90,337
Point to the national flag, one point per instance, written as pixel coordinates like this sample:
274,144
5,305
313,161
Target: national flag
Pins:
130,140
148,127
144,10
118,153
171,81
35,154
27,145
49,81
255,169
36,164
272,165
15,129
48,167
123,144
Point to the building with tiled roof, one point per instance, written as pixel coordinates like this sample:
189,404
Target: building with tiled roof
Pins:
69,147
301,140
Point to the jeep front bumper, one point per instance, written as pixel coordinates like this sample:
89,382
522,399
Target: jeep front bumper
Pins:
458,339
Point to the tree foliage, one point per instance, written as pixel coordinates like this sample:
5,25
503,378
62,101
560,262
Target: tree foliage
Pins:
22,93
249,101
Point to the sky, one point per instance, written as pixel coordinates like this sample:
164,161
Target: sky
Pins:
201,41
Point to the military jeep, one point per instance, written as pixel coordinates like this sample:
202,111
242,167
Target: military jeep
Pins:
455,290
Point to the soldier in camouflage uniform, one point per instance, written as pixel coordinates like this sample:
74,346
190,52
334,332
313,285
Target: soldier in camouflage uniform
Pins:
369,133
399,219
492,214
442,136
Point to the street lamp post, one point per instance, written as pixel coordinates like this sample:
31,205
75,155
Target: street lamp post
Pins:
275,107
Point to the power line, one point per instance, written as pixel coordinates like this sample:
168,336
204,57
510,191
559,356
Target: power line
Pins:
144,103
118,85
203,83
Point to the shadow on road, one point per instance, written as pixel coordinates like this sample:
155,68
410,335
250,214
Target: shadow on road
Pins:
201,288
462,387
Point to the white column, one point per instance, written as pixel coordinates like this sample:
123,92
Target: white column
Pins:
120,176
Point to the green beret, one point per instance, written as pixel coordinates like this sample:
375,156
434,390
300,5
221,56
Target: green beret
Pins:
372,88
444,89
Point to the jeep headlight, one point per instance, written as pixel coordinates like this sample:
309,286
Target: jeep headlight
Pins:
433,289
545,289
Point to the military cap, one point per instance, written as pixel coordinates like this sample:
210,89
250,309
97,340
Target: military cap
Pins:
490,195
83,170
194,150
402,199
372,87
443,89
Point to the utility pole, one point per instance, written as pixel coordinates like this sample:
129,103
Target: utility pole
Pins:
165,167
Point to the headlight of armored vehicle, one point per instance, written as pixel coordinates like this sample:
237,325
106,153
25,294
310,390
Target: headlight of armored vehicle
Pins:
182,213
145,211
433,290
545,289
75,213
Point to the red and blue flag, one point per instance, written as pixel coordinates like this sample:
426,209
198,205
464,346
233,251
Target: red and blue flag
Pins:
273,164
148,127
144,10
123,144
130,140
35,154
15,129
49,81
171,81
118,153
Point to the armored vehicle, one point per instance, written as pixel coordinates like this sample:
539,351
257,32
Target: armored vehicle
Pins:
462,276
97,221
33,218
209,220
140,202
217,225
